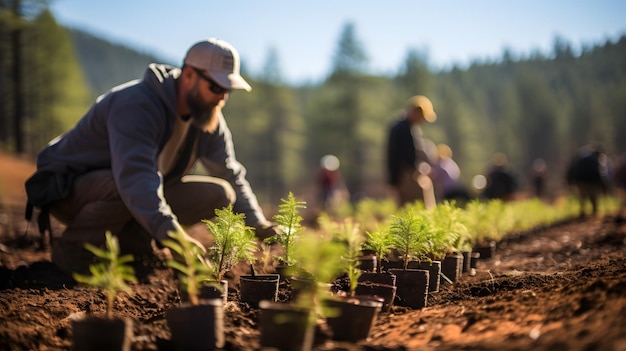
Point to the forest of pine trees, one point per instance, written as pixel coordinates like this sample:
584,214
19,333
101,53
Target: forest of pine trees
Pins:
543,105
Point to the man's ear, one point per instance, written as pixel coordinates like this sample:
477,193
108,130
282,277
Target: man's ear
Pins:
187,77
187,72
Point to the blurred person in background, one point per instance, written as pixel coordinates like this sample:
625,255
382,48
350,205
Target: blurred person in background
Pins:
588,176
333,190
446,176
408,162
538,177
502,181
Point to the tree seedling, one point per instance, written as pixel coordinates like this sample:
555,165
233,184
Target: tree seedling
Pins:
381,242
111,273
482,219
409,233
288,219
234,241
320,258
195,271
348,233
448,232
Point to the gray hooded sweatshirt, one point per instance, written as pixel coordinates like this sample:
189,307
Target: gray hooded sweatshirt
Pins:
125,131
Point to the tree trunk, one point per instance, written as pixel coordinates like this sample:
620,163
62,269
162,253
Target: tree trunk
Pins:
16,47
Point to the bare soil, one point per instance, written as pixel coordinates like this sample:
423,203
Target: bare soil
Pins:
558,288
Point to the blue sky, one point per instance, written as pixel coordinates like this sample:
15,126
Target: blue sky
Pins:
305,33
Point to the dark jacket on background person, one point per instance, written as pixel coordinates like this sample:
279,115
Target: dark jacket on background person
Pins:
404,151
589,166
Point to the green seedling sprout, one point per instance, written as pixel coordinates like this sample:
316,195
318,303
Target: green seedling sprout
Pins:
409,233
477,221
319,257
348,233
112,273
288,219
487,221
234,241
355,240
381,242
448,231
194,268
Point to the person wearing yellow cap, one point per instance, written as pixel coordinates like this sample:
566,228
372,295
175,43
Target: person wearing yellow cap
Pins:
124,167
408,161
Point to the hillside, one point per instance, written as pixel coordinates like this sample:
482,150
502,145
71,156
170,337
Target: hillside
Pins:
14,172
106,64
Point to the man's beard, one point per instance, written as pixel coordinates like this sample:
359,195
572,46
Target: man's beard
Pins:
203,116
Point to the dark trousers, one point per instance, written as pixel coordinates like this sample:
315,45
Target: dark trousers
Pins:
95,206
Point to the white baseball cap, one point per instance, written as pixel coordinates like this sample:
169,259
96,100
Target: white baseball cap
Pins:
219,60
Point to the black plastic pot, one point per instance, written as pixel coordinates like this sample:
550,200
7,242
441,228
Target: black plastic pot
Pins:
451,268
94,333
434,270
258,287
378,284
389,264
469,262
380,278
197,327
487,250
352,318
281,270
209,291
384,291
285,327
412,287
368,263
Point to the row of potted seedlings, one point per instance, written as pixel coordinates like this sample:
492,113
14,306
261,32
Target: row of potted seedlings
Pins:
362,273
312,262
343,274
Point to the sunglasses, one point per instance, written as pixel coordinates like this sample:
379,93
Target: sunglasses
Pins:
213,86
